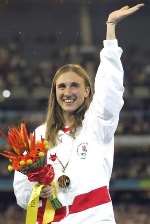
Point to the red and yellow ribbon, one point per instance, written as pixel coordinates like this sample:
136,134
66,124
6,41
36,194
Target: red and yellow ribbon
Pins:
32,208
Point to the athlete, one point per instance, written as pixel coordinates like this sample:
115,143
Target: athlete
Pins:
80,128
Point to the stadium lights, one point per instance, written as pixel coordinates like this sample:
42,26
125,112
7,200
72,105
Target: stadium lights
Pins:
6,93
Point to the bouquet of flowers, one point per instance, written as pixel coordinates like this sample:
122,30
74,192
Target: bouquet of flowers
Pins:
28,156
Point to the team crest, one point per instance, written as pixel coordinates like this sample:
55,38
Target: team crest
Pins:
82,150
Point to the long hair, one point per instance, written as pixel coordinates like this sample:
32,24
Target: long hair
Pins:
55,120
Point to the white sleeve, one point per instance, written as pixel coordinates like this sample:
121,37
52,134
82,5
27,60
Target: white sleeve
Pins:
40,132
102,117
22,189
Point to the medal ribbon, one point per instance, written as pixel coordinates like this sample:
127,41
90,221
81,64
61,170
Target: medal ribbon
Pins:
32,208
49,213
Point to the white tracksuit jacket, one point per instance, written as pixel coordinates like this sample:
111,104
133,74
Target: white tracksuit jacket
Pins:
90,154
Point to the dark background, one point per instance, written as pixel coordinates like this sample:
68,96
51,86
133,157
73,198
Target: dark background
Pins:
38,36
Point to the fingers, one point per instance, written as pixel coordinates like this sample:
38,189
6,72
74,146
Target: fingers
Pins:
133,9
129,10
140,5
45,192
125,7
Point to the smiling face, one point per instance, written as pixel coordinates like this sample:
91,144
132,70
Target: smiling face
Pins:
70,91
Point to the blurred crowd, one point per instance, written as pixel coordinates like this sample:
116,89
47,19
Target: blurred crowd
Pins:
12,215
131,163
28,84
124,214
25,80
132,214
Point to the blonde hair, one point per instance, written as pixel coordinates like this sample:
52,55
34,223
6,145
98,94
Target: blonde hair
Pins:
54,120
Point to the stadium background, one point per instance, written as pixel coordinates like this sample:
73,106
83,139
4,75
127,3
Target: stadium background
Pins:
36,37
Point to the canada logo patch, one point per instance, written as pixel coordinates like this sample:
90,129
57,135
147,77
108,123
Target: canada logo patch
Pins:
82,150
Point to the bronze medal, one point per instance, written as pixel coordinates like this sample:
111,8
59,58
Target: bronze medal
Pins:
63,181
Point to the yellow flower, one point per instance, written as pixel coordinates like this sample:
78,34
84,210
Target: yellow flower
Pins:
41,154
29,161
47,145
10,168
22,163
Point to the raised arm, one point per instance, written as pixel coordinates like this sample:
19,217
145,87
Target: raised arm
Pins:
103,113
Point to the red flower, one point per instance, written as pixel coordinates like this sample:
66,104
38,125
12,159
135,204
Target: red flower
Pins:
43,175
23,149
18,139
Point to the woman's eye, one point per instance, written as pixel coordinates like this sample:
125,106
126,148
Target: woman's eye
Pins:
74,84
61,86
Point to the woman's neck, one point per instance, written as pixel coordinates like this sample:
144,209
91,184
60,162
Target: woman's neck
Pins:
68,120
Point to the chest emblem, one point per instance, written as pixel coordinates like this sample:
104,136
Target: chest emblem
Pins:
82,150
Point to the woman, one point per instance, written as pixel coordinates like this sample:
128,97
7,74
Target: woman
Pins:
80,129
